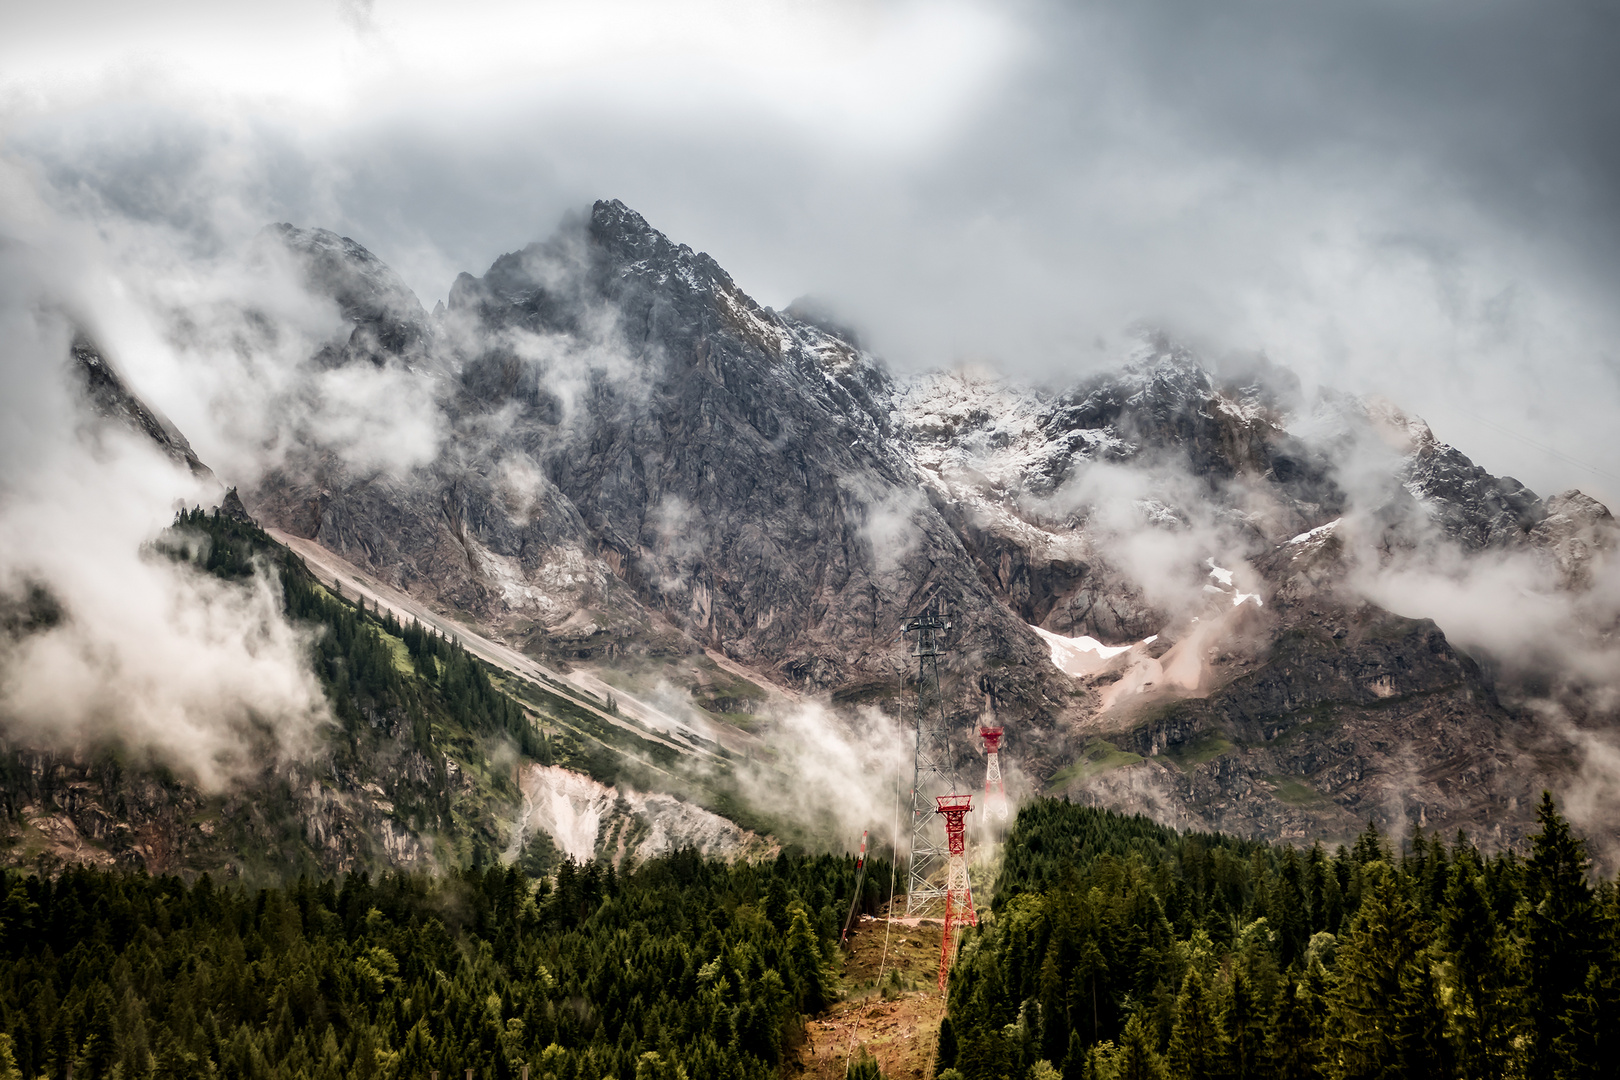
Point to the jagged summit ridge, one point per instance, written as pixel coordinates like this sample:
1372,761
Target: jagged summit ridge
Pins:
731,468
111,398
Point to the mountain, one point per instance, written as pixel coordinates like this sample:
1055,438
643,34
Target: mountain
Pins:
676,468
680,517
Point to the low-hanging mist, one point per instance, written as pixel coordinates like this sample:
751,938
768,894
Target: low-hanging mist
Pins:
109,642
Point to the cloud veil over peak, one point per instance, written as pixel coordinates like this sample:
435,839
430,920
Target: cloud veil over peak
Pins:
1419,202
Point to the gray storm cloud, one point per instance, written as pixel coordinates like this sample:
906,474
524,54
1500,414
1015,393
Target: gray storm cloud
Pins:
1419,201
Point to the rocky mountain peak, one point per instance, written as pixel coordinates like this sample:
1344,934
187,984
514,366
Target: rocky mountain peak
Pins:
623,231
364,287
813,312
1575,532
1164,367
637,250
385,315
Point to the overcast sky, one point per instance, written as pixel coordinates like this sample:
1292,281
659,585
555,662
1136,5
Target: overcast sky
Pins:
1415,198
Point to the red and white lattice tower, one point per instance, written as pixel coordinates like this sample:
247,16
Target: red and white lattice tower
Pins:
959,909
995,792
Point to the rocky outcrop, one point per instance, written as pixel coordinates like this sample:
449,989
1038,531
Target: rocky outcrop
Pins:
97,808
586,819
385,320
1351,715
110,398
1575,532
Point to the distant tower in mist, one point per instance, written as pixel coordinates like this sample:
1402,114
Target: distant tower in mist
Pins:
934,769
995,792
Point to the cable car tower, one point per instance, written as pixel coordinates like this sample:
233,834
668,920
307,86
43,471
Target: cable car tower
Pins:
995,792
959,910
934,769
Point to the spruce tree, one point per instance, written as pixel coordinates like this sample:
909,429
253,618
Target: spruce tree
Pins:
804,960
1484,975
1087,984
945,1055
1054,1005
1244,1025
1289,908
1197,1041
1588,1046
1561,929
862,1067
1292,1049
1137,1059
1372,959
1074,1062
1423,1049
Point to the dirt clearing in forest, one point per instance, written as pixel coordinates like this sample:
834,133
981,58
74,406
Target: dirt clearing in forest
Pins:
899,1032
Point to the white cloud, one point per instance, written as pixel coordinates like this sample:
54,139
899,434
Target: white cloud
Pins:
201,673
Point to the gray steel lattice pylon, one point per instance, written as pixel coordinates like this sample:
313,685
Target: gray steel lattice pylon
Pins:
934,769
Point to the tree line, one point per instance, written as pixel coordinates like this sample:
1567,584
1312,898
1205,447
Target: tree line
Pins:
681,968
1120,950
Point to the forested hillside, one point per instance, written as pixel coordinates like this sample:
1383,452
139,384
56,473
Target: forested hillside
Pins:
683,967
1120,949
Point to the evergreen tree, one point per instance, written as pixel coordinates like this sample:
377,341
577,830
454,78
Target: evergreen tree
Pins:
862,1067
1244,1025
1197,1041
1087,984
1372,963
1561,929
1074,1062
989,1056
1288,911
1137,1059
945,1056
1054,1000
1588,1044
805,962
1293,1046
8,1062
1485,986
1423,1049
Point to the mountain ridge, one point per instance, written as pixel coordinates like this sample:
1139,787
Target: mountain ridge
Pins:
940,487
1159,576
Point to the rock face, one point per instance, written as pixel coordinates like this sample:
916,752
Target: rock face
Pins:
93,809
644,458
1575,532
640,459
386,319
111,399
587,819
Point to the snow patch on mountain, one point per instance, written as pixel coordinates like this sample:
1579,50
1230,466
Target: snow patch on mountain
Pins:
1079,656
1318,533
